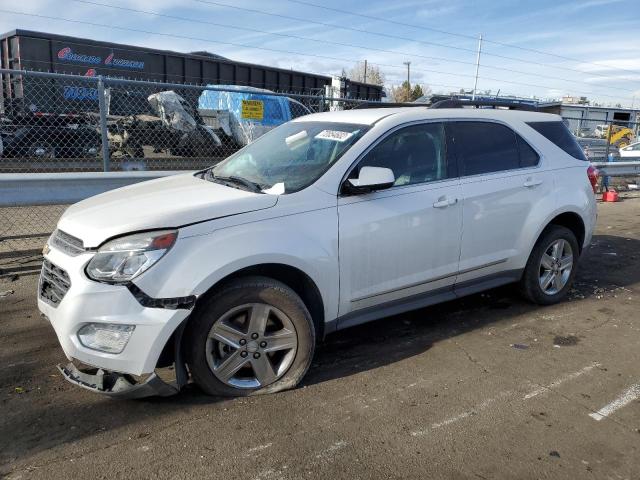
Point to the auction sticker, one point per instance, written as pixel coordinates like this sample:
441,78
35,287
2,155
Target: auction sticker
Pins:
335,135
253,109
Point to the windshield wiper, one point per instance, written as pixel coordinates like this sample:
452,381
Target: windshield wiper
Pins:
252,186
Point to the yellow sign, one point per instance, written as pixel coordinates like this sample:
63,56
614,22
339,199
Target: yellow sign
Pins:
253,109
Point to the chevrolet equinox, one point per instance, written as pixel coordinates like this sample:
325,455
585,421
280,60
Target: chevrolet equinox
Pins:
231,275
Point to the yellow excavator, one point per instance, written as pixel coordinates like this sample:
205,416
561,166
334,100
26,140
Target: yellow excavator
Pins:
620,136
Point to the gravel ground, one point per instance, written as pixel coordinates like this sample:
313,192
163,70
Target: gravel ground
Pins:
485,387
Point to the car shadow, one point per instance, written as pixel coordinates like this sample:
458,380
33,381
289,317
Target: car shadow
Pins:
66,414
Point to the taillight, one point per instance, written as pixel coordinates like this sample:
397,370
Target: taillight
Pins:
593,174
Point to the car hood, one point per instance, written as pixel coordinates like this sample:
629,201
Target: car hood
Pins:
163,203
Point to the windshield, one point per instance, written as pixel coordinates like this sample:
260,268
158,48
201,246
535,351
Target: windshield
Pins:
290,157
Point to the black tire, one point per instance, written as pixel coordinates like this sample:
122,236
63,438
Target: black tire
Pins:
530,284
238,292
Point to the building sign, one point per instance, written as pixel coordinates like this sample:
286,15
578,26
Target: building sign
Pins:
252,109
68,55
124,63
80,93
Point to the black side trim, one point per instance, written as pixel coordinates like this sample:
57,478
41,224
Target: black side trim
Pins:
422,300
176,303
395,307
486,283
434,279
330,327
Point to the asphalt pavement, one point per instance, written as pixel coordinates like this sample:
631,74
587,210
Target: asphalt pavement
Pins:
485,387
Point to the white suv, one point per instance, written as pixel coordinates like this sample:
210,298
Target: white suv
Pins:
234,273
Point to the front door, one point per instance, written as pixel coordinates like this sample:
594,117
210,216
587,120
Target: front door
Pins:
402,242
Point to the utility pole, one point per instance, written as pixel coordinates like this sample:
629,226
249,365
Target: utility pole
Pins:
475,83
408,64
365,71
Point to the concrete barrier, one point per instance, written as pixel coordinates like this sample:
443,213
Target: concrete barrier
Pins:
25,189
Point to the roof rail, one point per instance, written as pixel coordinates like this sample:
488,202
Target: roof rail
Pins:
511,105
388,105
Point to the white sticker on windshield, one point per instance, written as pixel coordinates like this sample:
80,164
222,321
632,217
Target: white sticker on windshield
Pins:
277,189
335,135
296,138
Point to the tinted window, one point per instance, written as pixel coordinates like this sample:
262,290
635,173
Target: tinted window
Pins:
528,156
484,147
415,154
558,133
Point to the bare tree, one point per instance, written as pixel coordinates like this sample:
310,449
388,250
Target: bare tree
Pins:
399,94
374,75
402,94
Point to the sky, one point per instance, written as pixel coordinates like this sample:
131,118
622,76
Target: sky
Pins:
582,47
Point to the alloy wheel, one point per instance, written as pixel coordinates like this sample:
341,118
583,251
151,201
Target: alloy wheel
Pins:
251,346
556,265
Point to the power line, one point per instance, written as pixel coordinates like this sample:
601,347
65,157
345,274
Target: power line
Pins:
388,35
330,42
303,54
199,39
455,34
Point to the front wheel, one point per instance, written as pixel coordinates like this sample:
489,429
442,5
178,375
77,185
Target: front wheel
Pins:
253,336
551,268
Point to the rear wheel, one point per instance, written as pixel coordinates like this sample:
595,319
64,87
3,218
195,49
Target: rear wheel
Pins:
253,336
551,268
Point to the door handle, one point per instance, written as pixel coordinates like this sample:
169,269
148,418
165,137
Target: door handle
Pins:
444,202
530,182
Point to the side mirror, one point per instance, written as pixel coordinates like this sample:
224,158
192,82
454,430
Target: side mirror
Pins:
370,179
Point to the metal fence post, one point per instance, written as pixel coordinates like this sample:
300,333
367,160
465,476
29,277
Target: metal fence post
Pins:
103,124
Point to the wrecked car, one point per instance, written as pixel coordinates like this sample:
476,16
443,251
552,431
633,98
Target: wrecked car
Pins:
233,273
245,113
50,136
174,128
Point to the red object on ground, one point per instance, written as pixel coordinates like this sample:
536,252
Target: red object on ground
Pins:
610,196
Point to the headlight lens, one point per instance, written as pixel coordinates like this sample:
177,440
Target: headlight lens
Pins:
105,337
124,258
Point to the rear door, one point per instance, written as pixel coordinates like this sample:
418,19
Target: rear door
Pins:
501,185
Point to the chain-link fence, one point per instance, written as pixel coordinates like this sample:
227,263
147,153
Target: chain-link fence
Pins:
62,123
606,139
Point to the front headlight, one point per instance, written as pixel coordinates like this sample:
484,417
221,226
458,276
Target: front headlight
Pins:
124,258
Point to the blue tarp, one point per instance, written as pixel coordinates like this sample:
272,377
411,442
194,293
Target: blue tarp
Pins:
277,110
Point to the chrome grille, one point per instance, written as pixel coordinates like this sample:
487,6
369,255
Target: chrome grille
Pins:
67,243
54,283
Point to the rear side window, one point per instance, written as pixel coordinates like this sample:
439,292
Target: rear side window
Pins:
484,147
528,156
558,133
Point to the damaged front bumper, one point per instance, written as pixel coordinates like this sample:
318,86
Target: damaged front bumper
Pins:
117,385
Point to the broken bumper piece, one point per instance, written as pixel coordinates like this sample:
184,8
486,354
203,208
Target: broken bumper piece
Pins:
116,384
